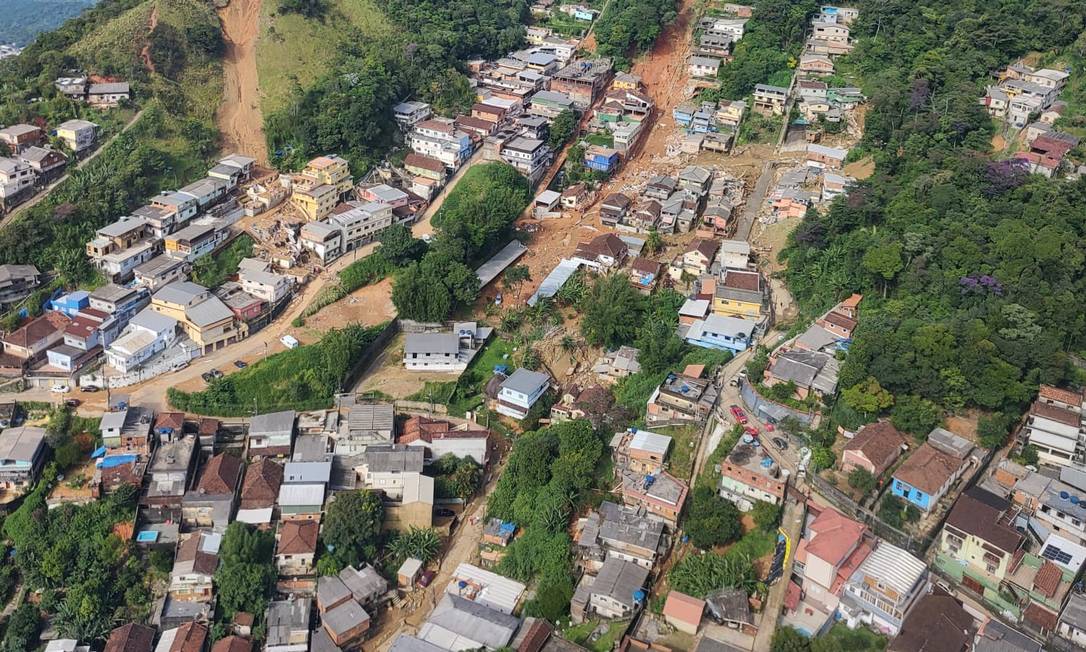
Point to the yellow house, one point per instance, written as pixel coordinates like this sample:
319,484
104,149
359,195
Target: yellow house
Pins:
204,318
331,170
314,201
626,81
740,293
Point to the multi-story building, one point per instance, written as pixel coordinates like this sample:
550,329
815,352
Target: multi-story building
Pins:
979,541
118,248
770,100
160,271
22,453
17,282
1055,427
741,293
619,532
583,81
520,391
323,239
882,590
440,139
20,137
685,397
747,477
360,223
313,199
16,180
408,114
832,546
617,591
147,334
529,155
265,285
195,241
182,207
78,135
331,170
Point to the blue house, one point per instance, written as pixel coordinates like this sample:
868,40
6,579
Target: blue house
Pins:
71,303
721,333
684,114
584,13
929,473
602,159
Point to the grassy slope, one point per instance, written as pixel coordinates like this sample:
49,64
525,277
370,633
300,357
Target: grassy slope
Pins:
295,51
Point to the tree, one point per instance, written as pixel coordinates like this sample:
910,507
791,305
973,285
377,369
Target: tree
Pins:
22,629
352,526
399,246
992,429
561,129
861,480
884,262
308,8
788,639
711,520
868,397
659,346
766,515
611,310
421,543
822,458
246,573
915,415
654,243
514,277
1028,456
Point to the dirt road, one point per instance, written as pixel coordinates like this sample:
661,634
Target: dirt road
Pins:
239,117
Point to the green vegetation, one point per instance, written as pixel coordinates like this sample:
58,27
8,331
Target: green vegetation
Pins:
246,575
972,269
474,221
406,48
304,378
627,27
548,474
421,543
633,392
456,477
839,637
766,515
698,575
710,520
759,129
89,576
70,436
352,529
212,271
581,635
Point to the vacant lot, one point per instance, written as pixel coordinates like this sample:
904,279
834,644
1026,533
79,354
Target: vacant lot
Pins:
294,51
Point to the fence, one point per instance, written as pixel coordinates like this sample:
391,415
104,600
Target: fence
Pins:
420,406
914,544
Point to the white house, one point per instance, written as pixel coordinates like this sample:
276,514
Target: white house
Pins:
265,285
451,351
147,334
520,391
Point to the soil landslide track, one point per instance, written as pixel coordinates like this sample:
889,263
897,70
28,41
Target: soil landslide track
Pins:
239,118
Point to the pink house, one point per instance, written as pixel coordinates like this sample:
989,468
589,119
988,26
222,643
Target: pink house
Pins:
832,548
874,448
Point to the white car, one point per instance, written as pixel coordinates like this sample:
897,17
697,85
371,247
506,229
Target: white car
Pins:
289,341
60,389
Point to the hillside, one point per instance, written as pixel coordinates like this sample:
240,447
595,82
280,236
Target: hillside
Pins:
22,20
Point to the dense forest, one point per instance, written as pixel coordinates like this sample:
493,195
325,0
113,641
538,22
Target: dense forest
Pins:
628,27
349,110
973,270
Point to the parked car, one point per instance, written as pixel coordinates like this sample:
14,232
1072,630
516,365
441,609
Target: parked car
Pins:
90,388
752,431
215,373
780,443
207,376
60,389
240,364
739,414
73,402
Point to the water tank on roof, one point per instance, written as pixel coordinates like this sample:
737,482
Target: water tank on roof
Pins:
639,596
1064,495
1074,500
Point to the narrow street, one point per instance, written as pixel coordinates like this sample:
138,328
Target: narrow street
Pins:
792,526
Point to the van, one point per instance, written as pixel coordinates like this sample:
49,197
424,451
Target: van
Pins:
289,341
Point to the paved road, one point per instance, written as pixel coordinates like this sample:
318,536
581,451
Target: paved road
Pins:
792,525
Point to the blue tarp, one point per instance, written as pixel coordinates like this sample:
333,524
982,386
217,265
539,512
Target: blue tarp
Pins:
117,460
98,452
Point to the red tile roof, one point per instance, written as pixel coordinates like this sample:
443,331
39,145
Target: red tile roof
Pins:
132,637
1048,579
232,644
190,637
37,329
684,608
261,485
419,427
928,469
171,420
425,162
832,536
297,537
1062,395
879,442
221,475
645,265
742,280
1055,413
1041,617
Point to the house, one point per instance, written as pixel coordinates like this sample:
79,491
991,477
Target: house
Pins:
22,453
364,585
979,541
1072,623
639,450
30,341
617,591
46,164
520,391
408,114
408,573
440,438
693,310
439,138
296,548
644,273
614,208
695,179
194,567
815,64
883,589
661,495
288,625
132,637
445,352
386,467
824,157
685,397
618,364
266,286
424,166
314,201
683,612
706,67
832,547
415,505
549,104
271,435
545,203
1041,582
259,491
994,636
809,371
367,424
601,159
189,637
485,588
346,624
147,334
78,135
1055,427
748,476
582,81
107,95
721,333
874,449
129,430
17,282
936,622
232,643
528,155
123,302
301,501
471,624
729,607
695,261
620,532
741,293
20,137
212,502
928,473
602,253
202,316
770,100
168,475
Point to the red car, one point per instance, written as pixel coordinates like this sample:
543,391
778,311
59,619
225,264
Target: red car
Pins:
739,414
751,430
